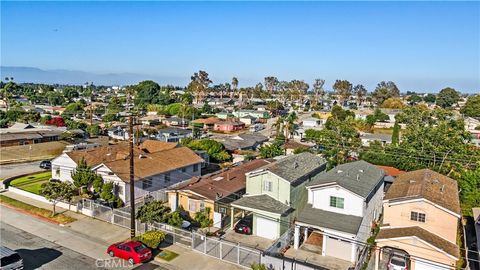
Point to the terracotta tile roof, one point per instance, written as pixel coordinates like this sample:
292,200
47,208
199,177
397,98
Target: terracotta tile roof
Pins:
426,184
429,237
151,158
225,182
392,171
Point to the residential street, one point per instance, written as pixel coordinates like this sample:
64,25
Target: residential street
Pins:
15,169
38,253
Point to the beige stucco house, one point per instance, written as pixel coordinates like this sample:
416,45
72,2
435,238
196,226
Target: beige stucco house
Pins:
421,214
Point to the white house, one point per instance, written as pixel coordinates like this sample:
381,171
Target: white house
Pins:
343,204
311,122
157,165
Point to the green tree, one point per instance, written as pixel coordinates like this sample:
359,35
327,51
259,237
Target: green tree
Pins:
472,107
93,130
396,134
272,150
447,97
289,125
360,93
377,116
175,219
384,91
83,176
146,92
203,218
153,211
70,93
73,109
213,148
430,98
469,185
393,103
58,191
55,98
339,140
415,99
343,89
199,85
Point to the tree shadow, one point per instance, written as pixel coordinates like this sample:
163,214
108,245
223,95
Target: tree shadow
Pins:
35,258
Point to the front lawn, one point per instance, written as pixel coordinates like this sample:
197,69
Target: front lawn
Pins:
36,211
167,255
32,183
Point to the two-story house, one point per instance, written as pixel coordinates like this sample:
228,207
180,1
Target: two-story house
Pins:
158,165
343,205
421,214
275,191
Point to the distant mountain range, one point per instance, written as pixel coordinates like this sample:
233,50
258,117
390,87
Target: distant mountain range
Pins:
61,76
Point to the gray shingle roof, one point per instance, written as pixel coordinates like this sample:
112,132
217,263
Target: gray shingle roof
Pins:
360,177
330,220
300,166
262,202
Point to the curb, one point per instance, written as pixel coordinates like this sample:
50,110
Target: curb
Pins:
31,214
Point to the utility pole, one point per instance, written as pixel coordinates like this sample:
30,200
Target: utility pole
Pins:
132,174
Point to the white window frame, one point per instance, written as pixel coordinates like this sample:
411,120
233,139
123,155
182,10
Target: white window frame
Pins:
418,216
267,186
336,201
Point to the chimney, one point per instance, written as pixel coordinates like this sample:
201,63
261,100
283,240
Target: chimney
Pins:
358,177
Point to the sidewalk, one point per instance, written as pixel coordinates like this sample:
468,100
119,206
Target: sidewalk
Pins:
91,237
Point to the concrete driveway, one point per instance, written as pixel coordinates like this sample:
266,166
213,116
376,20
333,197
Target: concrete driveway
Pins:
252,241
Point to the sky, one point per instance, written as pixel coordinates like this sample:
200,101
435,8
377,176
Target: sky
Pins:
422,46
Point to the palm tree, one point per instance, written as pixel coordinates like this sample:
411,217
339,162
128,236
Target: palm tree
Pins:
289,125
234,84
278,125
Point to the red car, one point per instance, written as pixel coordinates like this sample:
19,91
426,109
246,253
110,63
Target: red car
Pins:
132,251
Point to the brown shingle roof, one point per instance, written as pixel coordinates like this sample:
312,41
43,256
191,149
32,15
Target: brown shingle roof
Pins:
429,237
392,171
156,163
225,182
151,158
426,184
206,121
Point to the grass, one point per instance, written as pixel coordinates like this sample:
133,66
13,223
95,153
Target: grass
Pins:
32,183
167,255
41,212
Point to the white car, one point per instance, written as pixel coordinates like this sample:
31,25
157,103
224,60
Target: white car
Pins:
397,262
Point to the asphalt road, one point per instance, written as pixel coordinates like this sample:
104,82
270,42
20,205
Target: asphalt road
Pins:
38,253
11,170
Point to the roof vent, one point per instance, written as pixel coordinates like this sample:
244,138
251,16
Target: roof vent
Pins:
142,156
358,177
218,178
412,181
361,170
339,171
295,164
442,189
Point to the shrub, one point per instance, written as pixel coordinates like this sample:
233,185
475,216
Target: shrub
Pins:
152,239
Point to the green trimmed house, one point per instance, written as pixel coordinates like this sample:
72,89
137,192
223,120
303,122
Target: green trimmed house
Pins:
275,193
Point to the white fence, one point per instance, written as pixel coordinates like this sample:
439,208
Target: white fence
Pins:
225,250
72,207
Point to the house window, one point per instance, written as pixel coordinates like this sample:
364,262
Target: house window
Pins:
147,183
167,177
267,186
202,206
192,206
195,167
57,172
184,169
222,210
119,190
416,216
336,202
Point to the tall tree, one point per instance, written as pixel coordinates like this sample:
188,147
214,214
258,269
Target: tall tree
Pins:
234,84
360,93
472,107
385,90
146,92
199,85
343,89
58,191
447,97
318,90
271,83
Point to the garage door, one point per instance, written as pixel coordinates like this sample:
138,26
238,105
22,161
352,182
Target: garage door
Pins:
338,248
427,265
267,228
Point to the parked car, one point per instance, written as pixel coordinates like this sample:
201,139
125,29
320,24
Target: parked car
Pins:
46,164
132,251
397,262
9,259
244,226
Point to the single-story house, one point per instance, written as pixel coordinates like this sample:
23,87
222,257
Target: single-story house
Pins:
172,134
214,191
242,141
21,134
311,122
176,122
229,126
205,123
367,138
